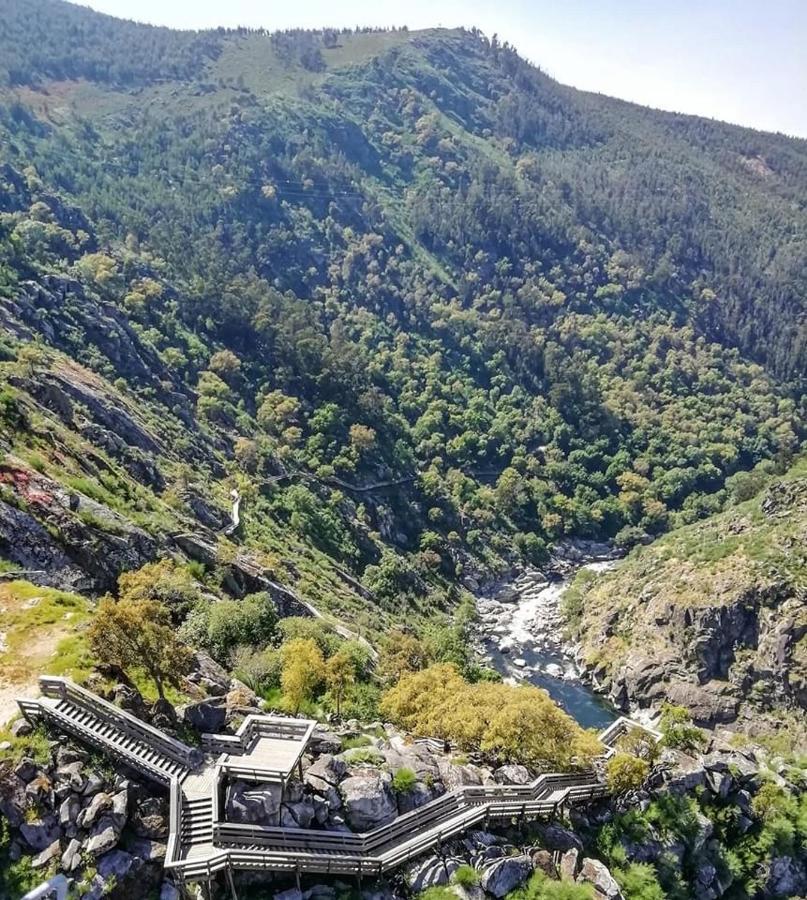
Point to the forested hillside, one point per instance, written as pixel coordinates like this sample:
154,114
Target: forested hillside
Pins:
406,260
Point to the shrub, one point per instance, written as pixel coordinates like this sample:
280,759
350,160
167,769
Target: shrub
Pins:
624,773
465,876
677,729
404,780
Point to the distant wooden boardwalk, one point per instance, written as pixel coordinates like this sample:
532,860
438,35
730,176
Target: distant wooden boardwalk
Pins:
267,749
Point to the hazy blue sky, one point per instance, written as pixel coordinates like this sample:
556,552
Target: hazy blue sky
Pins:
740,60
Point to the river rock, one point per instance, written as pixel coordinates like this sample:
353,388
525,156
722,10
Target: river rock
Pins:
505,875
368,800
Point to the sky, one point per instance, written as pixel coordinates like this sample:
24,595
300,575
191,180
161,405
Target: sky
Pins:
742,61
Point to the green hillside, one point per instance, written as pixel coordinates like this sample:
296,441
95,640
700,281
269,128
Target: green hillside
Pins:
428,308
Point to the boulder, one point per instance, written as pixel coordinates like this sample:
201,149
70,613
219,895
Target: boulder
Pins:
25,769
418,795
787,877
150,851
117,864
21,728
253,804
425,873
596,873
505,875
569,864
71,858
512,775
209,675
368,800
103,837
47,855
290,894
72,774
169,892
454,776
150,818
69,810
92,812
556,837
542,861
326,771
323,741
206,716
40,833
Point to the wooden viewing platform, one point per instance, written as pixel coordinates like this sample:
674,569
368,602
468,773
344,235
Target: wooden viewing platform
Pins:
267,749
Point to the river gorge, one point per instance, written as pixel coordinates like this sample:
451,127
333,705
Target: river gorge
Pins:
520,631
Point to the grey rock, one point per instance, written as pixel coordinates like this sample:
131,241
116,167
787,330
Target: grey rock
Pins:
542,861
206,716
291,894
150,818
117,864
426,873
103,837
150,851
71,858
368,800
40,834
169,892
597,874
95,783
69,810
327,769
569,864
92,812
73,775
25,769
254,804
787,877
556,837
21,728
418,795
505,875
48,854
323,741
454,776
512,775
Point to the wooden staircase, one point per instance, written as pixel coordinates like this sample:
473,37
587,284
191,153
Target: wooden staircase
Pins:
202,842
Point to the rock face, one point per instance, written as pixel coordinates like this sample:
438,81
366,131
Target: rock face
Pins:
725,637
368,800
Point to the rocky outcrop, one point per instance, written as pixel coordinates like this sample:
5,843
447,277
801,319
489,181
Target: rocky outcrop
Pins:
94,543
368,800
723,634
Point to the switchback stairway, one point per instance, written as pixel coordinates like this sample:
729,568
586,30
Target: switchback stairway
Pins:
266,749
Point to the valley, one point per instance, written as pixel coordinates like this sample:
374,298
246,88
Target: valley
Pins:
375,378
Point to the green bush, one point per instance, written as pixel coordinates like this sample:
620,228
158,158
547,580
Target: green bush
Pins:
404,780
465,876
677,730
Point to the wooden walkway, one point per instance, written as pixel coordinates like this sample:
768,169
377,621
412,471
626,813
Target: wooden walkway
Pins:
266,749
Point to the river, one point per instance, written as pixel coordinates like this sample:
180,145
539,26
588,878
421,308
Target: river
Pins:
520,632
